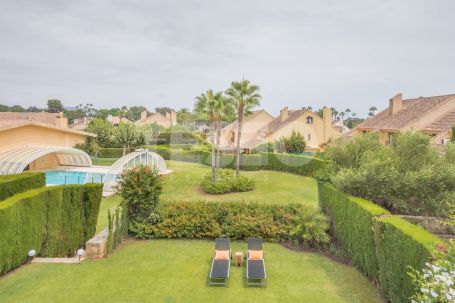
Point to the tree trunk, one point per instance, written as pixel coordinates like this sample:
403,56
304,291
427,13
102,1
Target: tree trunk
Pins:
212,140
218,139
124,149
239,135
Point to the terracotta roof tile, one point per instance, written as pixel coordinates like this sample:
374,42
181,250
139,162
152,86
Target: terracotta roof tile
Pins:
444,123
412,110
276,123
48,118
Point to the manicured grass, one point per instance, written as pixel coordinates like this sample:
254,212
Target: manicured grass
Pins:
184,184
271,187
106,204
104,161
177,271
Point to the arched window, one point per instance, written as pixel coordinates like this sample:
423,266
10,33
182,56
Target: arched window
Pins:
309,120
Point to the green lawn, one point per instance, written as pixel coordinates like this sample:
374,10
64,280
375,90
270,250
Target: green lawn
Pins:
271,187
106,204
104,161
177,270
184,184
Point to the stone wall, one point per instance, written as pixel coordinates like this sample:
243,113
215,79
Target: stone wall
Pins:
96,247
432,224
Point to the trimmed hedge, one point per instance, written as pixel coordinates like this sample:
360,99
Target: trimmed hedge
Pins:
220,219
54,221
302,165
111,152
352,225
400,245
297,164
381,245
178,137
13,184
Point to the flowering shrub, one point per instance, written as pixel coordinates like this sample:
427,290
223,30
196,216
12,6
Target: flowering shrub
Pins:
436,282
140,187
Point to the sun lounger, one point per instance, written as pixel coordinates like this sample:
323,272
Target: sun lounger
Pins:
255,266
219,272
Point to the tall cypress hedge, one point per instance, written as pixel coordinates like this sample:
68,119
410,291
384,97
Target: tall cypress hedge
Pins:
400,245
297,164
54,221
352,225
13,184
383,246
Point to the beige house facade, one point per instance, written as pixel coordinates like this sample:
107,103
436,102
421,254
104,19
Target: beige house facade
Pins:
42,138
166,121
434,116
261,127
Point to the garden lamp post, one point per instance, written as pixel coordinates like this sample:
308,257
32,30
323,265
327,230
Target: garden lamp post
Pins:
31,253
80,253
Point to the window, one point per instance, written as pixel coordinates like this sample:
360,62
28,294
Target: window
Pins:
309,120
309,137
232,136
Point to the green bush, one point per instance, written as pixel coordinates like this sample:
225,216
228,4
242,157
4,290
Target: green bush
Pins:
407,177
310,227
117,226
17,183
295,143
226,182
400,246
352,226
301,165
437,278
219,219
140,187
54,221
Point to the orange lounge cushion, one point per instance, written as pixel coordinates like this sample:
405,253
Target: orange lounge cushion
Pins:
255,254
221,254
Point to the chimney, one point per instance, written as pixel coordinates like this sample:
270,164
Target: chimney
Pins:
144,115
327,120
173,117
396,104
61,121
284,114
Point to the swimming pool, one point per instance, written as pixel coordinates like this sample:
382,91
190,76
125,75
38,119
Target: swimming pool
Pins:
61,177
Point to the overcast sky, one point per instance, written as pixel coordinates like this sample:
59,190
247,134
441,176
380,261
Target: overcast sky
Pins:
346,54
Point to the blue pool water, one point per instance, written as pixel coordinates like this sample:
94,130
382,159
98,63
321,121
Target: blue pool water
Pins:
60,177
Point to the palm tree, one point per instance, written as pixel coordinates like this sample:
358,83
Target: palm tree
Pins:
223,107
244,96
372,110
342,114
206,104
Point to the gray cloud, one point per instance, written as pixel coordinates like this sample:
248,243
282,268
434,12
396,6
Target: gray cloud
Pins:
302,53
